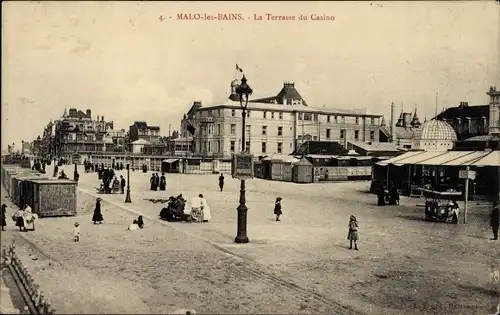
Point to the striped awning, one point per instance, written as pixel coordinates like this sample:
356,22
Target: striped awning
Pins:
398,160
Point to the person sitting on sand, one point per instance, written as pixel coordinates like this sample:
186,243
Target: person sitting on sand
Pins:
140,222
133,227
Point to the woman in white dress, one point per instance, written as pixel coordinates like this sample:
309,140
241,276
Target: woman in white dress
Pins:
201,204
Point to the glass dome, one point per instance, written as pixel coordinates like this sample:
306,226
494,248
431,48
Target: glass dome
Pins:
435,130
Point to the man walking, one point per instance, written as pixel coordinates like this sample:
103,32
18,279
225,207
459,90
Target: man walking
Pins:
495,220
122,184
221,181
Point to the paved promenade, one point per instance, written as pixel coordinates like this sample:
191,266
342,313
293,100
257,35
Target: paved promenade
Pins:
298,265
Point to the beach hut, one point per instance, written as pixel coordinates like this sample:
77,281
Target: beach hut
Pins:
302,171
279,167
39,194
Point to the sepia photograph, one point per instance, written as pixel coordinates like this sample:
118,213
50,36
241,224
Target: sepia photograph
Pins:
246,157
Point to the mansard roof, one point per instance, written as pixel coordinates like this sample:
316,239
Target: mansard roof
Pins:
287,96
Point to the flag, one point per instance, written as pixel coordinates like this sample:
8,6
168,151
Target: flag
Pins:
190,128
238,68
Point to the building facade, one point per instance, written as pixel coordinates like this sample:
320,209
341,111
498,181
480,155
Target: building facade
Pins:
467,120
141,130
274,125
78,133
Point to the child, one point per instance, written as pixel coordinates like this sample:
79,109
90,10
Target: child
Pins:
352,236
277,208
76,232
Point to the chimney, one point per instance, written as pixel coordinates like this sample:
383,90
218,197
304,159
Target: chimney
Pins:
407,119
393,123
102,118
97,117
72,112
89,113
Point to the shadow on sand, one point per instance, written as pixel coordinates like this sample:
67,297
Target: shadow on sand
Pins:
412,217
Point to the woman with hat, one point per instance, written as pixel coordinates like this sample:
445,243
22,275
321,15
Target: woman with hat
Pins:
352,236
97,217
277,208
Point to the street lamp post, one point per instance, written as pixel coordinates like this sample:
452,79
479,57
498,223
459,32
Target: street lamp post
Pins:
244,91
127,198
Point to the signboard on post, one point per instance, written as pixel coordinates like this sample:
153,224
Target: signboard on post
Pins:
467,174
242,166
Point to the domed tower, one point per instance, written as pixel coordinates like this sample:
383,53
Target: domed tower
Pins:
434,135
234,96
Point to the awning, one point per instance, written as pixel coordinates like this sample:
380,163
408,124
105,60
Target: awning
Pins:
492,158
396,160
469,157
444,157
170,161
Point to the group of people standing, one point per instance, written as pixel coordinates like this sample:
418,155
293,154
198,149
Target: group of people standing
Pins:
158,182
388,197
23,218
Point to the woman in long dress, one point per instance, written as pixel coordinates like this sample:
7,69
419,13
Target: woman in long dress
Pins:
207,216
97,217
277,208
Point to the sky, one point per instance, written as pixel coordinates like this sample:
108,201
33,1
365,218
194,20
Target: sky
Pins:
131,61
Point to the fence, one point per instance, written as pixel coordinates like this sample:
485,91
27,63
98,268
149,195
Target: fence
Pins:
35,300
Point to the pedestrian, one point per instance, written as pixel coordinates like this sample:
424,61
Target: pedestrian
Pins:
157,181
381,195
163,182
3,215
221,181
277,208
76,231
152,182
352,235
122,184
97,217
495,220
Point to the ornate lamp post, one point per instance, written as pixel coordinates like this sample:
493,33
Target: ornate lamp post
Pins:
127,197
244,91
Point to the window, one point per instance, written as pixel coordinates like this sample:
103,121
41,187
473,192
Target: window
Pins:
327,118
336,119
272,115
315,138
372,121
232,146
356,134
280,131
300,116
308,116
263,147
328,133
264,114
342,134
372,135
248,131
280,115
316,117
218,129
233,129
220,146
233,112
357,120
264,130
279,149
218,112
342,119
247,146
209,146
248,113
